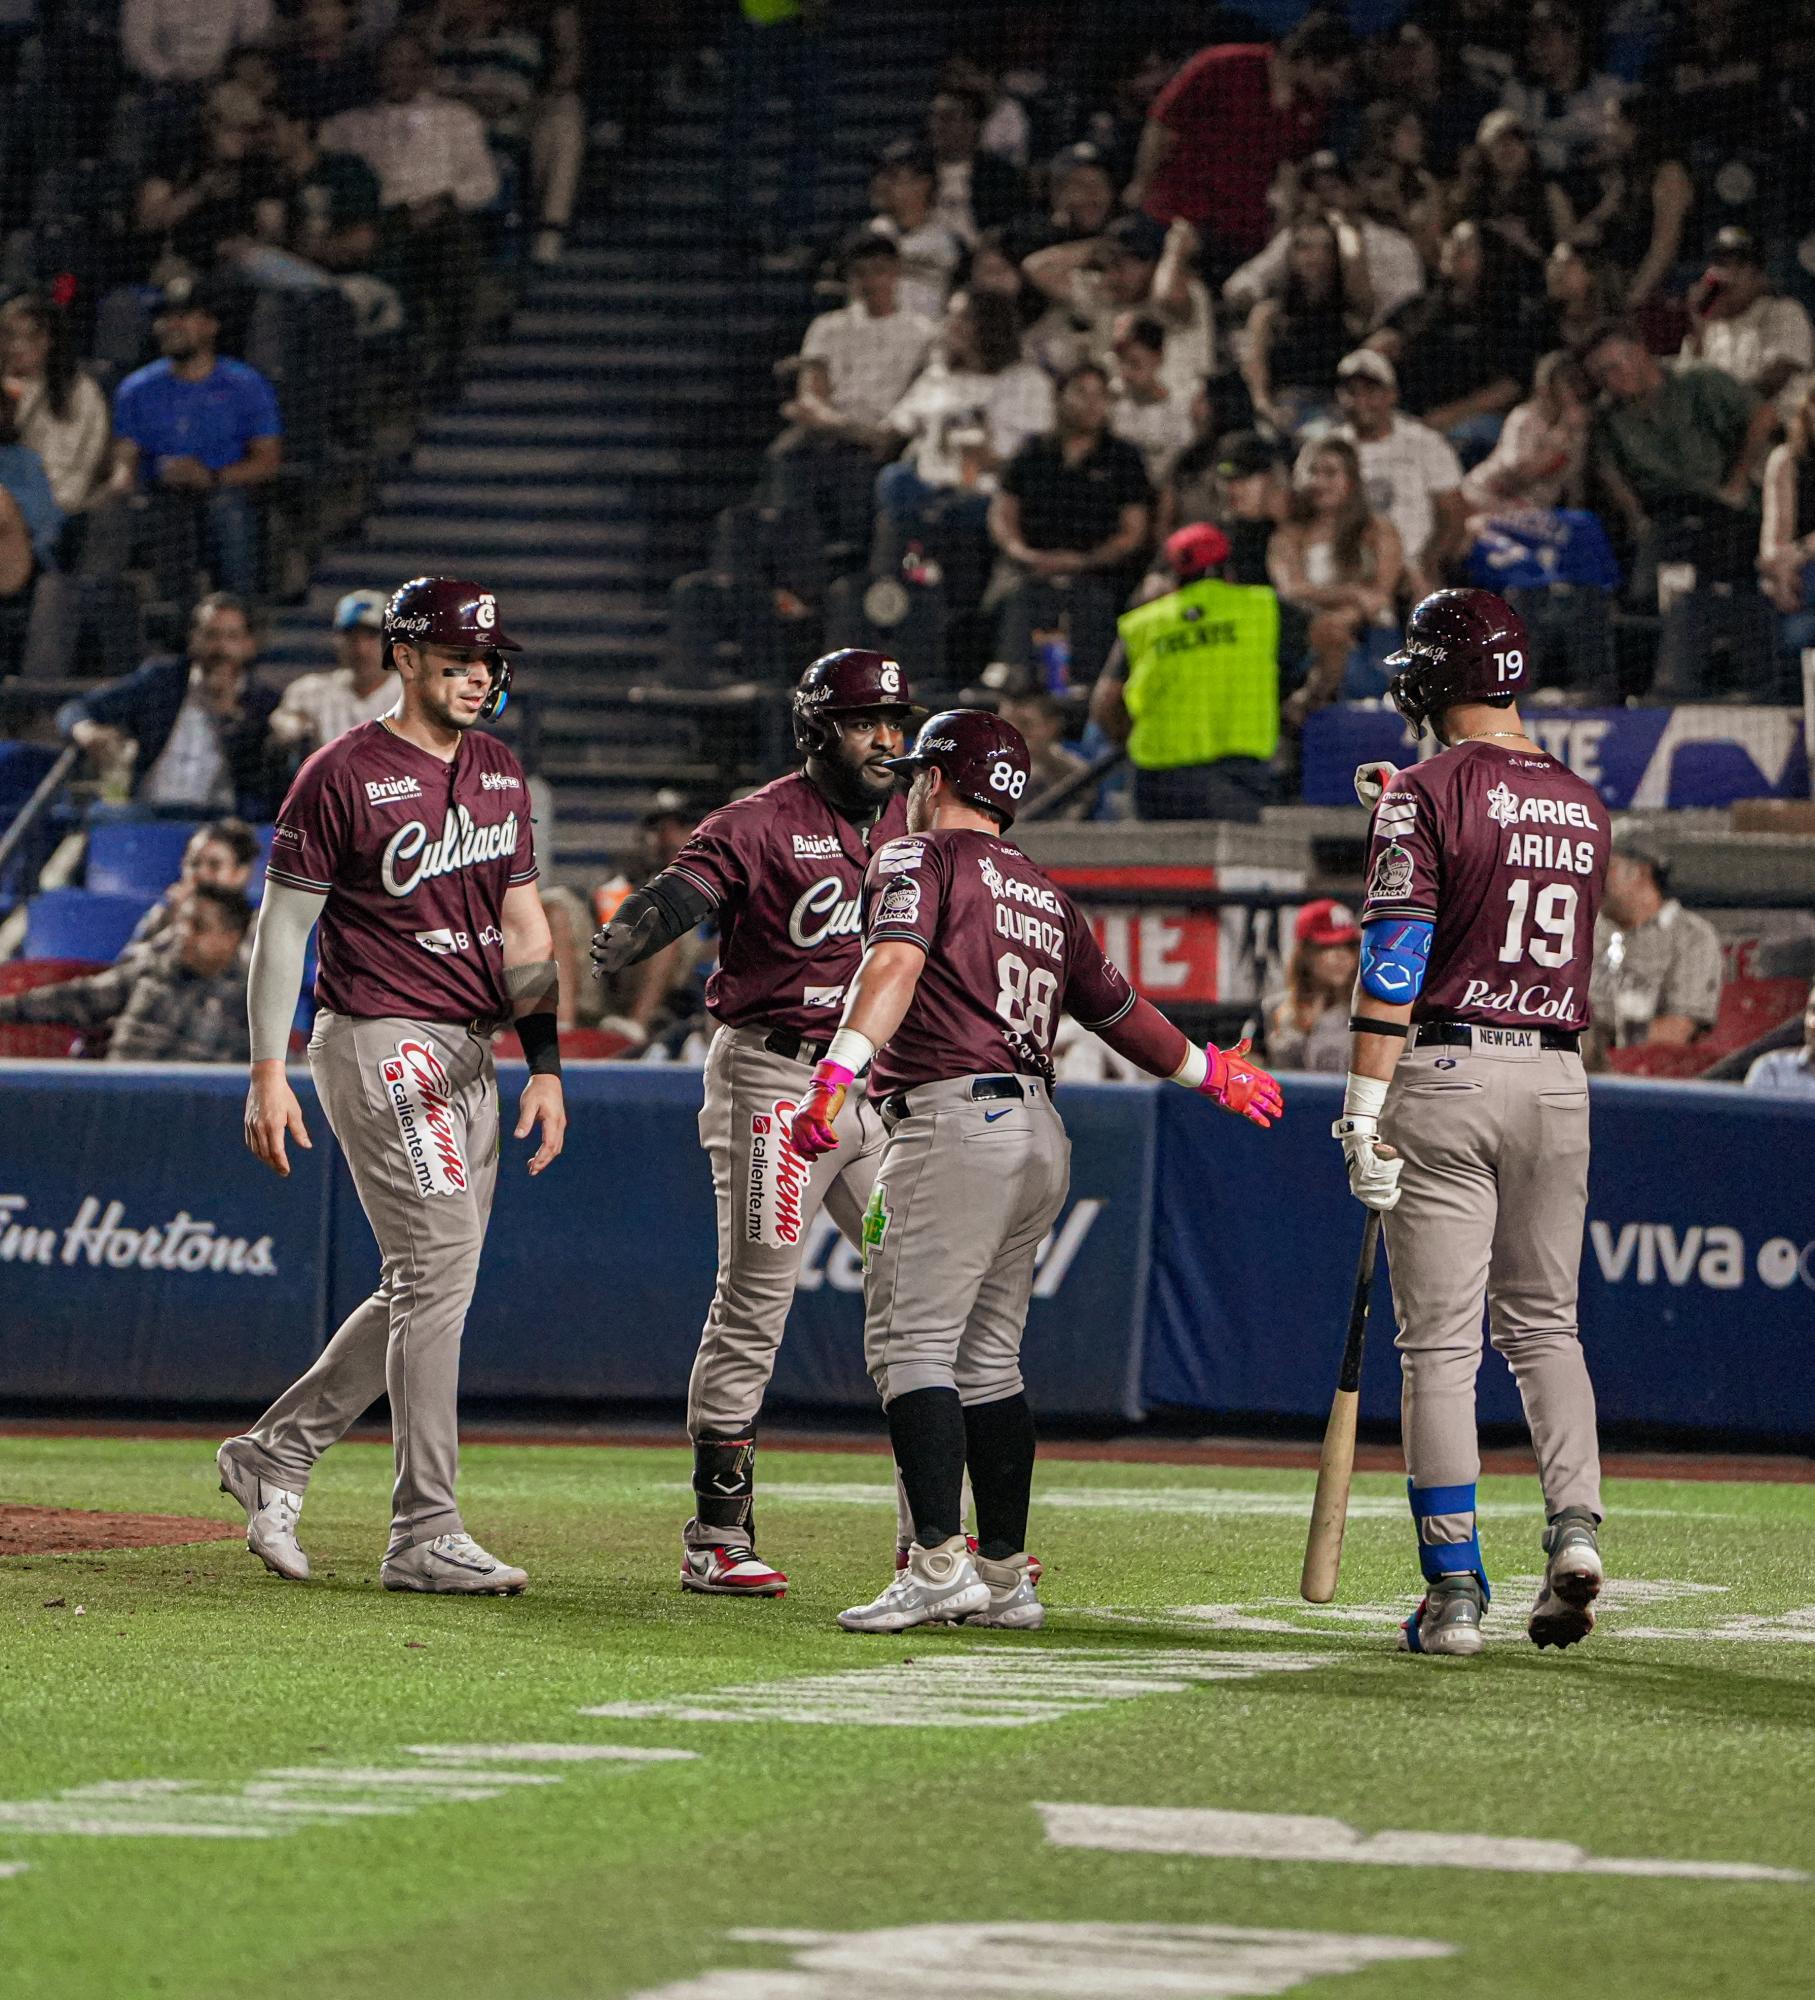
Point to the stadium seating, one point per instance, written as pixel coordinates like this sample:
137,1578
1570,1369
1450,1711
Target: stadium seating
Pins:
81,923
136,857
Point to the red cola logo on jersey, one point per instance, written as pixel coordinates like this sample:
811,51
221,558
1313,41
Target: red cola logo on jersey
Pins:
1538,1003
827,910
422,1095
412,858
778,1177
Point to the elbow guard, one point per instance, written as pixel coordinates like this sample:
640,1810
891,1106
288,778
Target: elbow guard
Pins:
1395,954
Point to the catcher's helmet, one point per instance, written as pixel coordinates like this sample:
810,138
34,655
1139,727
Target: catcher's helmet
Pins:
840,683
984,758
444,611
1460,645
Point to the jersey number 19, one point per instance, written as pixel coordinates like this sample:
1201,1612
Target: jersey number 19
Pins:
1552,918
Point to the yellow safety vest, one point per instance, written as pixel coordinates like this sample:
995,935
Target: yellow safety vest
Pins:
765,13
1203,675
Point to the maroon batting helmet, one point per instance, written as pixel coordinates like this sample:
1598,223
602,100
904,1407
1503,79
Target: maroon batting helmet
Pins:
984,759
1460,645
840,684
445,611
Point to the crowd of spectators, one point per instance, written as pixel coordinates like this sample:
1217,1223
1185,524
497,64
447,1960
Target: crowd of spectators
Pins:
211,200
1500,292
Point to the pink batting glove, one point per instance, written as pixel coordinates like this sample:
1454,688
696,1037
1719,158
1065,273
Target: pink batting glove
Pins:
1241,1086
812,1133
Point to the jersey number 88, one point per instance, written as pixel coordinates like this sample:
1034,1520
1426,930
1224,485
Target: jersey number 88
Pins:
1024,998
1003,777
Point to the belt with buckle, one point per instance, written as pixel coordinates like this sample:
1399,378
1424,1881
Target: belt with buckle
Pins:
794,1048
982,1088
1461,1035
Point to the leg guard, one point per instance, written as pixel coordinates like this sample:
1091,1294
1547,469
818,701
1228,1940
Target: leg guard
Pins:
724,1487
1448,1541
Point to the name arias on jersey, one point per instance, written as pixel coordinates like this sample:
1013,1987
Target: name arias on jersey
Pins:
412,858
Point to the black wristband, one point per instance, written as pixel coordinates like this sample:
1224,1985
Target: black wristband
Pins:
1364,1024
541,1039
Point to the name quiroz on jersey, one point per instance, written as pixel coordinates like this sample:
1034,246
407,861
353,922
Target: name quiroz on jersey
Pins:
1023,926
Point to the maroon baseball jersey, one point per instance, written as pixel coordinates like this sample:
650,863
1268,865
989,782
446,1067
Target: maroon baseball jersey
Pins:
1505,852
414,856
1006,954
784,870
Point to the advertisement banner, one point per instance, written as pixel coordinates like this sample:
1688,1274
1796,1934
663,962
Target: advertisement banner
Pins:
144,1255
1634,757
1698,1270
1177,954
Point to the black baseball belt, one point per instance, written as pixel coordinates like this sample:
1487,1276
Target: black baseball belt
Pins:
982,1088
786,1043
1461,1035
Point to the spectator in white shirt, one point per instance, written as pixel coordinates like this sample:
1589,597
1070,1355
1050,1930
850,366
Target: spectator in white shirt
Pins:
1381,267
1134,265
1557,95
1789,1072
178,42
319,707
1411,475
855,366
1145,411
1740,325
62,415
902,189
971,408
435,173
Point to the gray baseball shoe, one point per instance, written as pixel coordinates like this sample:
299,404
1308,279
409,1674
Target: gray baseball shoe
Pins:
271,1513
1573,1577
1014,1604
1448,1622
454,1565
940,1586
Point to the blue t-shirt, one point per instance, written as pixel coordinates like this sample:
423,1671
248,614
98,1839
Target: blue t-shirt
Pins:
22,475
212,420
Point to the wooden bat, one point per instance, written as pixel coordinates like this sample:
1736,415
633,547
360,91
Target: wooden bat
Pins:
1330,1506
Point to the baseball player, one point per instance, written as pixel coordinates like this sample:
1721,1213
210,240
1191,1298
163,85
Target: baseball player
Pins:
409,838
782,871
970,957
1466,1114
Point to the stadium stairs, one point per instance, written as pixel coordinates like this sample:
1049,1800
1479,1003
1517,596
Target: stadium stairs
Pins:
629,401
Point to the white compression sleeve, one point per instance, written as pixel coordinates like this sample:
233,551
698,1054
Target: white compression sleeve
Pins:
279,947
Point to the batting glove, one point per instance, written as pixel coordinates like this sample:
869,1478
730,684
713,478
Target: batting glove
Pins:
1374,1169
812,1132
1241,1086
1371,780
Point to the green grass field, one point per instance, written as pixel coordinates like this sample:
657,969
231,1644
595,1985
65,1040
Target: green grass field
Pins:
213,1783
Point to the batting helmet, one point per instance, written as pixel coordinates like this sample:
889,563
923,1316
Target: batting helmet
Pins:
444,611
841,683
984,759
1460,645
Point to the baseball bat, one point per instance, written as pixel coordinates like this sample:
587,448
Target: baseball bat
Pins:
1330,1506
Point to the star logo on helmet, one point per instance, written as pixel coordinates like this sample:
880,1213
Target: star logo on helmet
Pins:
1502,806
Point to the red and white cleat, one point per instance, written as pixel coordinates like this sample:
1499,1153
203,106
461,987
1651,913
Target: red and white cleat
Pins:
730,1570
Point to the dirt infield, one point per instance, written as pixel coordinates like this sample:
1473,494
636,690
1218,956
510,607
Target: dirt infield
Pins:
46,1531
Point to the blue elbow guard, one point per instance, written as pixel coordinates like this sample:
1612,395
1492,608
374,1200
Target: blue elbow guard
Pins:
1394,956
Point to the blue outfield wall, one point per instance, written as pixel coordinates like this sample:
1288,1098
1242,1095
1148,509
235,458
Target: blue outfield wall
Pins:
1199,1263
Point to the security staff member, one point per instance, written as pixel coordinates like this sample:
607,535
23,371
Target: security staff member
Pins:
1192,688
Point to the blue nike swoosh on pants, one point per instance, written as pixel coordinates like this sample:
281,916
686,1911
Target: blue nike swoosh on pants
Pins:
990,1117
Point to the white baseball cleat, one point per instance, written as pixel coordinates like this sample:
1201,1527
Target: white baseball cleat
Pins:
1564,1612
939,1586
729,1569
1014,1605
453,1564
1448,1622
271,1513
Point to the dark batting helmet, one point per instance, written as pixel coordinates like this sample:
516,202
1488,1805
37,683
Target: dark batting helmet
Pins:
445,611
842,683
984,759
1460,645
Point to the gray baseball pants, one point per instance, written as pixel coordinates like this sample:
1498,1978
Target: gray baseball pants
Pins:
1492,1199
768,1198
965,1193
414,1105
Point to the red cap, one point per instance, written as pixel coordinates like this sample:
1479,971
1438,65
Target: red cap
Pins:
1194,550
1326,921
